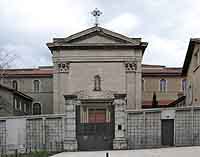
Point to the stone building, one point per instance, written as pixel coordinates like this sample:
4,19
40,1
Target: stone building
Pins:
192,72
97,63
98,88
166,83
151,79
114,71
37,83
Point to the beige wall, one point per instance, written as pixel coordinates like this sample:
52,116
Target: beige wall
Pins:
109,64
152,84
193,77
82,76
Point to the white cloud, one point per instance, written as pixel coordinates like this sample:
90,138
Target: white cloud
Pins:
164,51
28,24
26,56
124,23
46,15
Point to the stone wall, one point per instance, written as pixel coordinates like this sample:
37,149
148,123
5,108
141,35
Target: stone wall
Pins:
30,133
139,129
144,128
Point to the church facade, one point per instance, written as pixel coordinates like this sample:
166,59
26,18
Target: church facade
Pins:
96,64
101,71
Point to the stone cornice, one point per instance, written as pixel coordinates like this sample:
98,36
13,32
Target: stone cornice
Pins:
60,46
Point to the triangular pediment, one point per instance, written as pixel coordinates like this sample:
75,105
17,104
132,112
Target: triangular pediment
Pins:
97,35
97,38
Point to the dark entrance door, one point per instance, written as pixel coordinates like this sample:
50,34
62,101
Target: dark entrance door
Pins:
167,132
98,132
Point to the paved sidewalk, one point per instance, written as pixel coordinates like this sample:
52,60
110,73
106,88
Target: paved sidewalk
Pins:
162,152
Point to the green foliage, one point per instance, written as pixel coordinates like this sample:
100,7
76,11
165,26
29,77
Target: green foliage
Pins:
42,153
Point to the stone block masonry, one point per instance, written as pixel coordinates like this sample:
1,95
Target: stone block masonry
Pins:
144,128
139,129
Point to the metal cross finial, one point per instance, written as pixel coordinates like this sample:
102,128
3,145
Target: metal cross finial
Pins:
96,13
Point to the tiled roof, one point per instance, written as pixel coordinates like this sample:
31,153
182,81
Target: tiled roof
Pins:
47,71
28,72
158,70
16,92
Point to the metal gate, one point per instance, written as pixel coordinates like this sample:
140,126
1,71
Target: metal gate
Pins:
2,136
95,136
168,132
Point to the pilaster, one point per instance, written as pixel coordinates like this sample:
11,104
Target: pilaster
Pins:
120,140
138,84
70,141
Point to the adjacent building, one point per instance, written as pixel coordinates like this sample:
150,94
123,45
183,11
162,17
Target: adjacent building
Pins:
36,83
192,72
166,83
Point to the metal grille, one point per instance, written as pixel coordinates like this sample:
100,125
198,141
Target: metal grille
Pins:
136,130
196,127
2,136
183,127
153,129
35,134
94,136
54,134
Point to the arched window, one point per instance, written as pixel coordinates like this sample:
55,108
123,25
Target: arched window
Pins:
36,85
97,83
184,84
163,85
14,84
37,109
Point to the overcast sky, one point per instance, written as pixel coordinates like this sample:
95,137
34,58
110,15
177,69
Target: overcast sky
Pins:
167,25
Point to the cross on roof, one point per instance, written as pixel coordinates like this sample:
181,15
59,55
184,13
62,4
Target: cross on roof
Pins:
96,13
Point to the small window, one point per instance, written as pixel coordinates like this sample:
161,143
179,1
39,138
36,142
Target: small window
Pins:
196,61
24,107
15,104
36,85
97,83
184,84
37,109
163,85
14,84
119,127
18,105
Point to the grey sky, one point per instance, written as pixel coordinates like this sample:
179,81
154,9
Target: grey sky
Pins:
167,25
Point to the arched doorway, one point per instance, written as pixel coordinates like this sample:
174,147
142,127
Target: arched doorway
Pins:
37,110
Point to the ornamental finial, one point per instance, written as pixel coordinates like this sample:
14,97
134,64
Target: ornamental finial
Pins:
96,13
